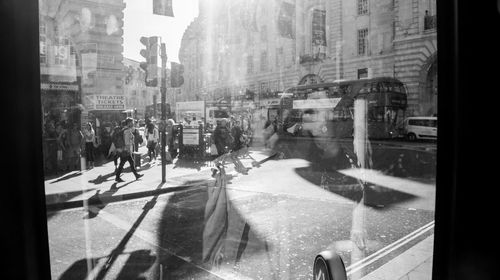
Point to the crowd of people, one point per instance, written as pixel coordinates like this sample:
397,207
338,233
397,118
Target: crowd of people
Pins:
119,142
231,135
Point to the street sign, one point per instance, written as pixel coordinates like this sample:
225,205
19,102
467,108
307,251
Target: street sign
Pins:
191,136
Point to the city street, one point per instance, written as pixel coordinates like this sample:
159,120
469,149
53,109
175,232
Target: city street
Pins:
267,224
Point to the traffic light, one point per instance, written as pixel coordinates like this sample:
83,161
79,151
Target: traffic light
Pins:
176,74
150,53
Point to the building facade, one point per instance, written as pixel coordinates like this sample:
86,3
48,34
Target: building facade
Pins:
137,94
263,47
80,62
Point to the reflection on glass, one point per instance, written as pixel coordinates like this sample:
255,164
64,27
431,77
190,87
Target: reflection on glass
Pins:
283,129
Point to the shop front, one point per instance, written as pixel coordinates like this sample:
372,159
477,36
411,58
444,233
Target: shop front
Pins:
104,112
61,109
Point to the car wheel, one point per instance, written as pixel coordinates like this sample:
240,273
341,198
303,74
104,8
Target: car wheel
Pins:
412,137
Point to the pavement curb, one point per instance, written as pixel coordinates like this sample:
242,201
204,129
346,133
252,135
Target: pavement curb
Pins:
102,199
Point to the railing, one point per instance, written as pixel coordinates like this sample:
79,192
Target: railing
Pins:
429,22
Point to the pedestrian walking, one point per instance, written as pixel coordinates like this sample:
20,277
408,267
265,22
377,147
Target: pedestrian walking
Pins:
137,137
170,150
270,132
126,155
152,137
75,146
62,146
237,135
89,136
118,143
222,137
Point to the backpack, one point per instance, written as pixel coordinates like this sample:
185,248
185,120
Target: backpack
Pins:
118,138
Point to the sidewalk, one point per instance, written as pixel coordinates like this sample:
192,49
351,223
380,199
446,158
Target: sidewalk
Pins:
415,263
98,185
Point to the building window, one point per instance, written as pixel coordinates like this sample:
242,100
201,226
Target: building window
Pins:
362,7
363,73
249,64
263,87
263,34
249,38
362,41
279,56
61,51
43,43
43,49
263,61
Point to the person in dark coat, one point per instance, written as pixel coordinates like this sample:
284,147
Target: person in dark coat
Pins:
236,133
222,137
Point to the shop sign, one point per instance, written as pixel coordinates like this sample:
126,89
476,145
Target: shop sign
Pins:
236,103
248,105
62,87
105,102
270,102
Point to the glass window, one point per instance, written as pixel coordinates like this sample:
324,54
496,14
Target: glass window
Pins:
249,64
362,7
263,61
362,41
251,162
279,57
263,34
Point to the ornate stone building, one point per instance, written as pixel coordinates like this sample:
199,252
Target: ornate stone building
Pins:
235,46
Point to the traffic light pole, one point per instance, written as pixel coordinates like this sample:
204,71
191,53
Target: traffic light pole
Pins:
163,91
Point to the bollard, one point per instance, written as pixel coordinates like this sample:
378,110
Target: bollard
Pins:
83,163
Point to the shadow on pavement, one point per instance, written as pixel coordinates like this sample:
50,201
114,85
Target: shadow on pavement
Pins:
67,176
203,227
99,200
137,263
193,163
350,188
59,198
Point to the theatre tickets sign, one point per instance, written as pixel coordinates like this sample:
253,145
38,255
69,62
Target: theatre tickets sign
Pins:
105,102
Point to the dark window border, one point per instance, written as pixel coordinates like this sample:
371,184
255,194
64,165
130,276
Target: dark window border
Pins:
466,244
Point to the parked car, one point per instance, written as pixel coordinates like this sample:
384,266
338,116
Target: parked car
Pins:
420,128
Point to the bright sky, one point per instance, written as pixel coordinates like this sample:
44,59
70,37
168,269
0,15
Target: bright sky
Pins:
140,21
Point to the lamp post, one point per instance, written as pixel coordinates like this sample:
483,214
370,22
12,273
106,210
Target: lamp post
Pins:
163,91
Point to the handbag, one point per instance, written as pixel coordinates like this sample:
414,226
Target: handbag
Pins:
112,149
213,150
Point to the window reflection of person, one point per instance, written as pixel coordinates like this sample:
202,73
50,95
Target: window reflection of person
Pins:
316,125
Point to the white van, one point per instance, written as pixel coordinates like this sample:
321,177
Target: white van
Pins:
420,128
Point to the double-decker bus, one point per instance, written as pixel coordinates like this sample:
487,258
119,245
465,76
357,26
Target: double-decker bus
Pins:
330,106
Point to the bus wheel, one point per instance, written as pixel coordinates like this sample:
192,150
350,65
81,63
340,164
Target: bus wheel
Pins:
411,136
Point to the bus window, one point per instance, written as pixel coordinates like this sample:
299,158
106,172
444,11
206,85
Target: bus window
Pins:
376,114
